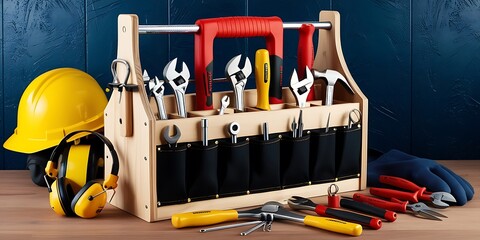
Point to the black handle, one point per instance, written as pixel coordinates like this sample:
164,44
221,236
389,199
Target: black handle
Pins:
374,223
368,209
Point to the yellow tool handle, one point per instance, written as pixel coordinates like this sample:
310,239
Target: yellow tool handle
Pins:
203,218
262,78
333,225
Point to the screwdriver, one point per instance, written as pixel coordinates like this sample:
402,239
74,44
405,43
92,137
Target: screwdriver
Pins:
262,78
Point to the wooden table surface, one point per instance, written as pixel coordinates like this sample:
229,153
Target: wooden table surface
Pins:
25,214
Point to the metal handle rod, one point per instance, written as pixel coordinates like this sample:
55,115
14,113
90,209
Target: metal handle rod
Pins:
158,29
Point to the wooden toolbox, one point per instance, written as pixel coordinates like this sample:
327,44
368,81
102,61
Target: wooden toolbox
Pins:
156,181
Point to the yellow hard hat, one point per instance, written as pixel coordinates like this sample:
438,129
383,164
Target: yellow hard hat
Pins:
54,104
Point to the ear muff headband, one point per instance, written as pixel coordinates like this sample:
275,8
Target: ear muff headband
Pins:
115,166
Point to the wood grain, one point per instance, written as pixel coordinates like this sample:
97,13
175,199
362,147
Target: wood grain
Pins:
25,214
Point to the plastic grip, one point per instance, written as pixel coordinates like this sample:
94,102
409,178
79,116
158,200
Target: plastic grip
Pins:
368,209
373,223
397,207
390,193
305,53
333,225
203,218
402,183
230,27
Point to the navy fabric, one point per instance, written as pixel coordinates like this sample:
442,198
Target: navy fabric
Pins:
423,172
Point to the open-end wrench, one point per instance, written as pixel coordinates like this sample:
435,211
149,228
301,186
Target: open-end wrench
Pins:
238,77
300,89
179,83
224,104
234,129
157,89
171,140
331,77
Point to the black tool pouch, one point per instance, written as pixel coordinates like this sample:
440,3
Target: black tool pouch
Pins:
294,161
322,155
171,181
202,182
348,154
264,164
233,168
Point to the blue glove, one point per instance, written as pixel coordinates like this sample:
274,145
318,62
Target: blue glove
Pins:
423,172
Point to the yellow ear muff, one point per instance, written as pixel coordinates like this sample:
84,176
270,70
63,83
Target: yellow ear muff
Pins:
90,200
61,197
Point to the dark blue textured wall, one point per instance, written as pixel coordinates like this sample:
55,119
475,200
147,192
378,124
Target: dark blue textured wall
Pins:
417,61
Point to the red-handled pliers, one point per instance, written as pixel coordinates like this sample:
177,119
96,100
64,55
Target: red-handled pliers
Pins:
418,209
438,199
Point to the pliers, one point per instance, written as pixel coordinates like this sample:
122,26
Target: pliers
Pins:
417,209
438,199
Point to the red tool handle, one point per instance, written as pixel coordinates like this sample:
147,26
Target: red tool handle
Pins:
305,54
374,223
368,209
232,27
390,193
396,207
402,183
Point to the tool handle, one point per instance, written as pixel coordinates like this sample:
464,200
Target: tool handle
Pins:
203,218
333,225
262,78
368,209
390,193
374,223
396,207
305,53
402,183
232,27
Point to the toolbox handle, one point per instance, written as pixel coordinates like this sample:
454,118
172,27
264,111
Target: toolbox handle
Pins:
233,27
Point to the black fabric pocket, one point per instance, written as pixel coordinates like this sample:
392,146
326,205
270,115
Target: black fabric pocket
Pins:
348,154
322,155
202,182
171,181
264,164
294,161
233,168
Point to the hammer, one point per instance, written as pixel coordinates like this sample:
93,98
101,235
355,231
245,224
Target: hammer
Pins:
331,77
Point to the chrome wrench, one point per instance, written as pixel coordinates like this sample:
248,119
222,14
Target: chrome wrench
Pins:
179,83
238,77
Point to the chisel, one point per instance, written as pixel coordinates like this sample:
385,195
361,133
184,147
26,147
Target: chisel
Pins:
262,78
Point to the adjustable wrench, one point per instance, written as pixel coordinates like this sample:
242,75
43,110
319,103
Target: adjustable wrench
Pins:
179,83
238,76
157,89
300,89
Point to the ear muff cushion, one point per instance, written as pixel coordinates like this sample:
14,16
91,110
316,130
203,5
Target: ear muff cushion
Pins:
85,205
61,197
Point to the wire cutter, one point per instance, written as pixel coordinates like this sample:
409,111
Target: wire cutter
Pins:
417,209
437,199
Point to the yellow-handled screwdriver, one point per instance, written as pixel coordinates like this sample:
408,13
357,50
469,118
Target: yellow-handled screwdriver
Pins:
204,218
262,78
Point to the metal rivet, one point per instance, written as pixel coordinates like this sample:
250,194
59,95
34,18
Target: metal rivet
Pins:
159,204
145,158
124,29
146,207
